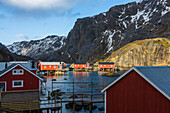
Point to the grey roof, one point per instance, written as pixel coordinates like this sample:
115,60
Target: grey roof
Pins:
18,64
51,63
8,68
158,75
107,63
28,65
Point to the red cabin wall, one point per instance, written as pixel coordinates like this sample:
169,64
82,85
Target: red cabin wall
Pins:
106,65
34,71
30,82
80,65
133,94
49,67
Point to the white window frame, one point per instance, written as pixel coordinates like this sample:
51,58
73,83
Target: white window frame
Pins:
17,72
17,81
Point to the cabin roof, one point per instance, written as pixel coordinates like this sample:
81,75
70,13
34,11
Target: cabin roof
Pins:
6,70
51,63
25,64
80,63
106,63
157,76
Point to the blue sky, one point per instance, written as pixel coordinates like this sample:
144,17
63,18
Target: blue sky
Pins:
34,19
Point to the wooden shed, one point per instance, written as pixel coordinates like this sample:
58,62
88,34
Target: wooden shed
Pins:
19,88
50,66
143,89
81,65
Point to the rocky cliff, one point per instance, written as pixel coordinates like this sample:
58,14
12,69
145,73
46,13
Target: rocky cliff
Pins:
148,52
94,38
6,55
38,49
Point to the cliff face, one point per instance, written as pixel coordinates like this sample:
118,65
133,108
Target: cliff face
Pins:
149,52
38,49
6,55
94,38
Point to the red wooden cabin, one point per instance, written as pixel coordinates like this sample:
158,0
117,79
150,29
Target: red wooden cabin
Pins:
81,65
106,65
16,77
140,90
50,66
22,85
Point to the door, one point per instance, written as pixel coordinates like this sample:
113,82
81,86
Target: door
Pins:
2,86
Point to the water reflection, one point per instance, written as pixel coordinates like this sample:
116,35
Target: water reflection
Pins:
93,80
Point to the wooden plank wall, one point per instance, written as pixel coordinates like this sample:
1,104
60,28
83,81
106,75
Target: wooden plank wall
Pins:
20,101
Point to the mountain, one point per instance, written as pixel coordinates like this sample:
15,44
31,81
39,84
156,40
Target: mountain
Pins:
94,38
38,49
6,55
148,52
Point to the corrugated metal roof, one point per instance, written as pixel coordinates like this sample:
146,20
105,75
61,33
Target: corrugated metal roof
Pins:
80,63
158,75
8,68
106,63
18,64
25,64
51,63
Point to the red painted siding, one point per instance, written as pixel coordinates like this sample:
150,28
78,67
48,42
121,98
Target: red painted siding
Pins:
106,66
34,71
48,67
30,82
132,94
80,65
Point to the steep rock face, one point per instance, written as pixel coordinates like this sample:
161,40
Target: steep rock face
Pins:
94,38
148,52
38,49
6,55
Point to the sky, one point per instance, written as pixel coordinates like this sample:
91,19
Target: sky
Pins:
24,20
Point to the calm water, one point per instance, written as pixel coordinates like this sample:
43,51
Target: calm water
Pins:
95,78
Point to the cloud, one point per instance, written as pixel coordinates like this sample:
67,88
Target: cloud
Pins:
22,36
41,4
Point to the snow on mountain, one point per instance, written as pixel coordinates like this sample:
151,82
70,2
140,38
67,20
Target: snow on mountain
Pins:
37,48
94,38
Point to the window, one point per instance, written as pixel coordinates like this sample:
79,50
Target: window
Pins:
83,65
17,83
18,72
54,67
49,66
44,66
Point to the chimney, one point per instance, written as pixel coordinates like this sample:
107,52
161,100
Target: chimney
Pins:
33,64
6,65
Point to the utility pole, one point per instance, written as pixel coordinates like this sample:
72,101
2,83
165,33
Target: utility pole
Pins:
91,104
73,97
